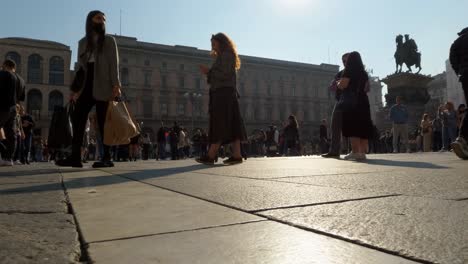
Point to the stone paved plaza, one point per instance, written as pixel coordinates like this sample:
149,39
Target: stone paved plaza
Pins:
403,208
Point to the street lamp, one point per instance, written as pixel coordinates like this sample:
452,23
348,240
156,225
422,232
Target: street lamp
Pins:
192,96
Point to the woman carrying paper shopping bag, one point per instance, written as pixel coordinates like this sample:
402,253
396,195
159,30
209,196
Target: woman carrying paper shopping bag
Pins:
96,83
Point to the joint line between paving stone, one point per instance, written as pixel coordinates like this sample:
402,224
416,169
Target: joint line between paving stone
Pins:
324,203
84,254
27,212
176,232
359,243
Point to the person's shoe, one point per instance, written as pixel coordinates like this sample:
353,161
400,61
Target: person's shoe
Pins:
103,164
460,147
205,160
6,163
331,155
68,162
352,156
18,163
232,161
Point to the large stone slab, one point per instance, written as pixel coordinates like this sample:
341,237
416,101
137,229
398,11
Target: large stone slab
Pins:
34,173
110,207
442,184
252,194
38,238
263,242
43,197
427,229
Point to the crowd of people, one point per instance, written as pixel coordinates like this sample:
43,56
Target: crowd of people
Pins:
96,83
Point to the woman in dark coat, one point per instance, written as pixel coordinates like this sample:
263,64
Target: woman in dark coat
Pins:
291,137
357,122
226,124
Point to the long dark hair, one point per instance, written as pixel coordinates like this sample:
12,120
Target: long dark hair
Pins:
355,68
90,45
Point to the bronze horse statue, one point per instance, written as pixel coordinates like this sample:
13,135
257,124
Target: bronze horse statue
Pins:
407,53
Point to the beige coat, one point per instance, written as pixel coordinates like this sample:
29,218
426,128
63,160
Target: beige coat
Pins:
106,68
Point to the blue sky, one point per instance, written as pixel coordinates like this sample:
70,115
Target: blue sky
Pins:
311,31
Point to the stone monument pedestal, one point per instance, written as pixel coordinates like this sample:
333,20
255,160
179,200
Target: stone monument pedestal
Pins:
413,90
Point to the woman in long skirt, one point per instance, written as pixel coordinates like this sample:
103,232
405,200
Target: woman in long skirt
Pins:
226,124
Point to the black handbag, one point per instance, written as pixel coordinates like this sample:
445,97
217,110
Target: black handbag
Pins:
78,81
61,130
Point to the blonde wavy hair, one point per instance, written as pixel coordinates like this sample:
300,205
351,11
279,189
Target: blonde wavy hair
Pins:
226,44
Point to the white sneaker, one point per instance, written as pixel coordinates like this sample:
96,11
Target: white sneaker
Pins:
6,163
17,163
460,147
352,156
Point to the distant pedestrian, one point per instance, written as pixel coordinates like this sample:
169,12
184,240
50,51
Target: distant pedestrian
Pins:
399,117
449,125
324,146
426,131
291,137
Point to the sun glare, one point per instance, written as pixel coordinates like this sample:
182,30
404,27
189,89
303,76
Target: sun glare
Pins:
295,4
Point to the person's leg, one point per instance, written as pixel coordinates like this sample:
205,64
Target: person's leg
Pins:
452,134
101,111
236,149
445,138
364,145
213,150
460,145
355,145
7,121
336,126
396,133
27,147
79,119
404,137
464,127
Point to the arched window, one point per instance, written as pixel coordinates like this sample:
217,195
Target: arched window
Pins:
56,69
124,74
55,99
34,105
14,56
35,69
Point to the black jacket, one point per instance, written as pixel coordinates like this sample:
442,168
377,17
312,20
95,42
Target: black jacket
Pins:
459,53
8,85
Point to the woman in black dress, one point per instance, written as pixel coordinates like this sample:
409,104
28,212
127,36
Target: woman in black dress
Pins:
226,124
357,122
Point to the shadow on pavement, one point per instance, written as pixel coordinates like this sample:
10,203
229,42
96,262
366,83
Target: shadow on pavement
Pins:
29,172
97,181
408,164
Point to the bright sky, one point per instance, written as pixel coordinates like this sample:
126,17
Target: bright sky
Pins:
311,31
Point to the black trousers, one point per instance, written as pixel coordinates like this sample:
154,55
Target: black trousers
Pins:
464,126
8,123
83,106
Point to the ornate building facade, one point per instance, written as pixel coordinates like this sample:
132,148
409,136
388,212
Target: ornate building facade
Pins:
45,67
163,84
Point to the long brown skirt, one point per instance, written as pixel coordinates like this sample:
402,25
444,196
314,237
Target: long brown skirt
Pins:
226,123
